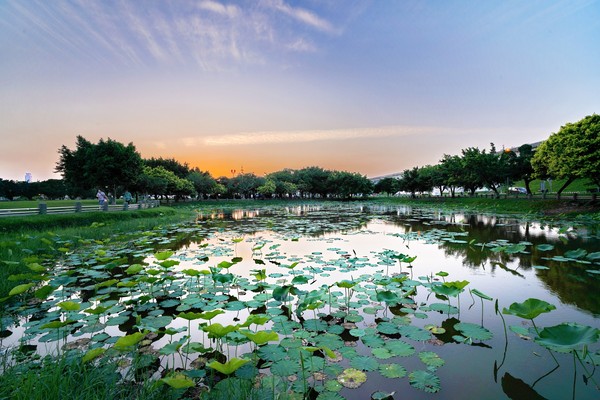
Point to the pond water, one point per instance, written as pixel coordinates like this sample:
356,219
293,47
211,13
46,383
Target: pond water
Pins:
403,297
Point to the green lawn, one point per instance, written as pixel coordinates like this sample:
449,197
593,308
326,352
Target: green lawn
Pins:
50,203
580,185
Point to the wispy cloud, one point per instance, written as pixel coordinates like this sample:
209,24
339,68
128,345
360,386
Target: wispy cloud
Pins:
229,10
287,137
302,15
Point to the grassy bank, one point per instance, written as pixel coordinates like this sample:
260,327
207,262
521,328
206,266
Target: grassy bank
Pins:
549,208
43,239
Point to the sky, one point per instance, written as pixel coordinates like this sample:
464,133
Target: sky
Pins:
373,87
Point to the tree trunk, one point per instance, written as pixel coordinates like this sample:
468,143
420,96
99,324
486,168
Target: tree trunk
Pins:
567,183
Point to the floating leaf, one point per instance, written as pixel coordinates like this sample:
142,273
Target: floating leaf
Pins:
431,359
576,254
473,331
352,378
364,363
392,370
544,247
285,367
425,381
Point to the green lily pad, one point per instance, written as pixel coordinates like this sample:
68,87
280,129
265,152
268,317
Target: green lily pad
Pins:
568,336
352,378
392,370
473,331
431,359
424,380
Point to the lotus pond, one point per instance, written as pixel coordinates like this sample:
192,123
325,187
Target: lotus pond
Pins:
327,301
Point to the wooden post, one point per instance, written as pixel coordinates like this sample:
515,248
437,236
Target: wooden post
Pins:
43,208
78,207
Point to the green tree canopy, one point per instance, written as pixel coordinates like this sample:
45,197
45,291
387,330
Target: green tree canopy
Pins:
105,164
386,185
572,152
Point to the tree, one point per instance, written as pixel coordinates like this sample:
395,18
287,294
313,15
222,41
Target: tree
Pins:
388,186
72,165
483,169
158,181
347,184
170,164
313,181
520,165
203,182
572,152
244,185
410,181
451,170
105,164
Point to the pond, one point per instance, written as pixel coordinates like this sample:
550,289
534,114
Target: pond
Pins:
333,301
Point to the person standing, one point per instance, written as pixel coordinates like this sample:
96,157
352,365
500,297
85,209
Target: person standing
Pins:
101,196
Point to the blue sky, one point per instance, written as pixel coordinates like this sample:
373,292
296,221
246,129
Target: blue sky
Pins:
370,87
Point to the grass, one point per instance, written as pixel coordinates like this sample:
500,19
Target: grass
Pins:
579,185
50,203
45,238
67,377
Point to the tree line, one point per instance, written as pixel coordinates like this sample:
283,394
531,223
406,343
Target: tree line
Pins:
571,153
115,168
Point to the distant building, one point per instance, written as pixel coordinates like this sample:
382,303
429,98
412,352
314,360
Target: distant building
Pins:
28,177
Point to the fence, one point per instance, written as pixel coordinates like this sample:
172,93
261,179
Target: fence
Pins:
43,208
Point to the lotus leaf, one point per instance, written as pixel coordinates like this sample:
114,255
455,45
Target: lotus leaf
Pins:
568,336
128,341
69,306
529,309
163,255
400,348
364,363
217,330
260,337
481,295
285,367
414,333
230,366
178,381
352,378
431,359
576,254
19,289
382,353
425,381
392,370
544,247
93,354
473,331
134,269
